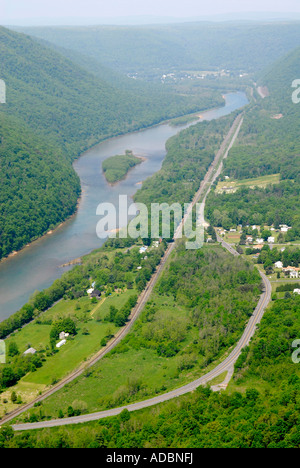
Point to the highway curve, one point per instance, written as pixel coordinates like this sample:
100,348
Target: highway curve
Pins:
226,365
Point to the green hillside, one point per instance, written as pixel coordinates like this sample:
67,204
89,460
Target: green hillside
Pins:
38,187
61,99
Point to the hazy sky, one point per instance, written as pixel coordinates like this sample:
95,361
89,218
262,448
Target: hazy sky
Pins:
26,10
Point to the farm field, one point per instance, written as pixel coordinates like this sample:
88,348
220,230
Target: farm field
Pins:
91,329
231,185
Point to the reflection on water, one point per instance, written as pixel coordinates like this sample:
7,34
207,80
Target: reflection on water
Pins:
39,264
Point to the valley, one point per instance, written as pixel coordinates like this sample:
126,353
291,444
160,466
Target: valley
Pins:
144,342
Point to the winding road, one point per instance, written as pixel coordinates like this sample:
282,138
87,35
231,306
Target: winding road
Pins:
225,366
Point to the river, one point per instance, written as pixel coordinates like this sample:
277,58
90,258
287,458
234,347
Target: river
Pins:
40,263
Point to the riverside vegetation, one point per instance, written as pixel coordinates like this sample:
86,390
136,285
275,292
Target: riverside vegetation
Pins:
116,167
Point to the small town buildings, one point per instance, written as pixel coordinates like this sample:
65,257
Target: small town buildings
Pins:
278,265
292,272
271,240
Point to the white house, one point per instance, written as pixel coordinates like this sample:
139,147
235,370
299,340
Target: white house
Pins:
143,249
63,335
278,265
260,241
61,343
271,240
297,291
29,351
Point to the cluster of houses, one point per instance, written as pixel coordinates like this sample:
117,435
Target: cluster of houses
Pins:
257,240
290,271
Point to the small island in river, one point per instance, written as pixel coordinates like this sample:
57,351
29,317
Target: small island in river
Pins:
116,167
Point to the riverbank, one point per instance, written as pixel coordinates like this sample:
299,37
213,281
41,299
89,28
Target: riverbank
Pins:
47,234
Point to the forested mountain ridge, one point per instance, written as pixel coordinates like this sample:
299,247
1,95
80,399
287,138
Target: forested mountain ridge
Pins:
55,110
63,100
38,187
189,46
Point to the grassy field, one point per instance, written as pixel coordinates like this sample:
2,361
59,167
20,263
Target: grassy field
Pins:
231,185
90,330
130,371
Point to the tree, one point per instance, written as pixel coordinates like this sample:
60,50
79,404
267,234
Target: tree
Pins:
42,301
8,378
13,349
